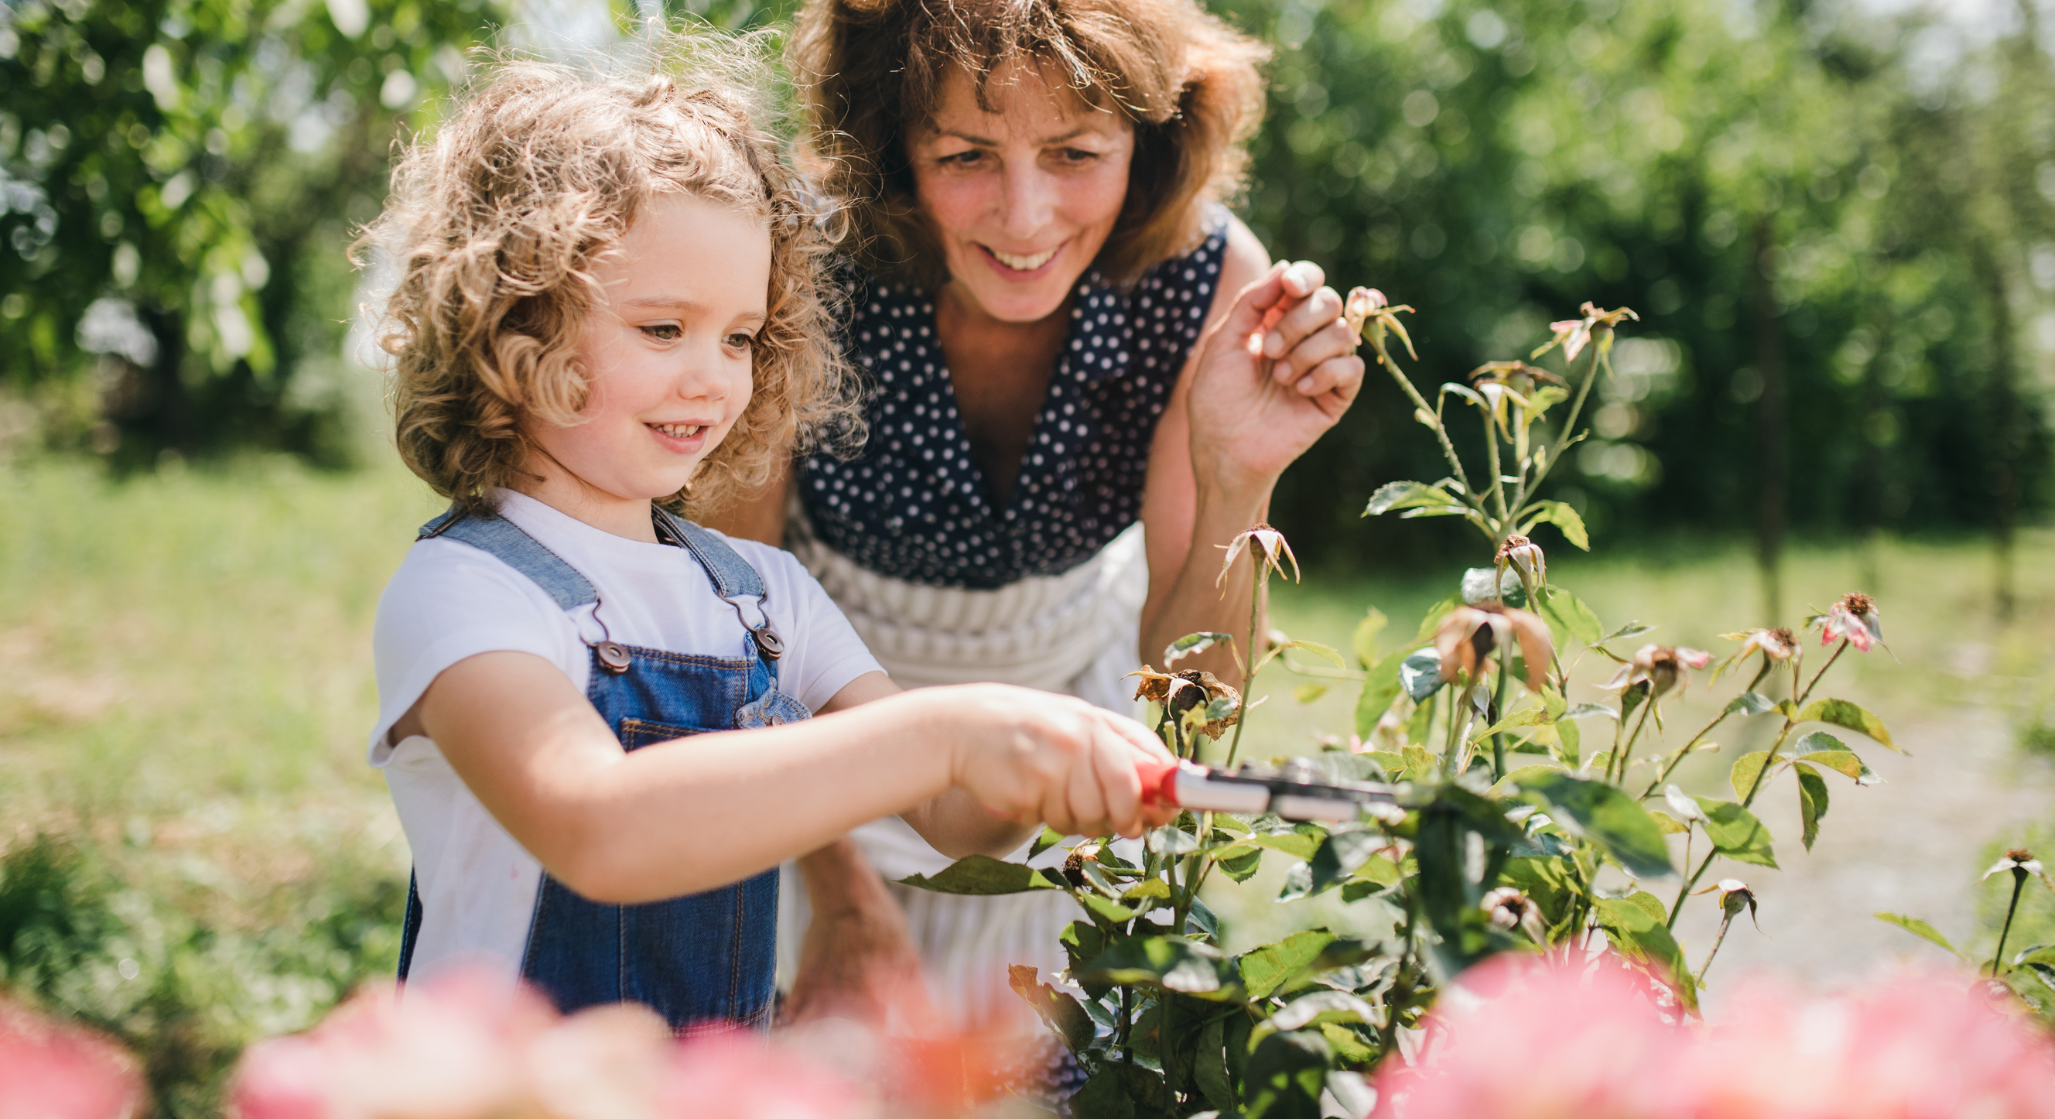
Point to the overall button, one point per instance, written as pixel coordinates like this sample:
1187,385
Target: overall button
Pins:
767,643
613,655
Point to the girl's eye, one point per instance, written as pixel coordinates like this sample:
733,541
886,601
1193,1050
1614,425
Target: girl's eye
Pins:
741,341
664,332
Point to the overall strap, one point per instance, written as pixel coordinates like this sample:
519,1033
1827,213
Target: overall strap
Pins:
732,575
502,538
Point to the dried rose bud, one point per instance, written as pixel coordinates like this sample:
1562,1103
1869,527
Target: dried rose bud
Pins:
1734,897
2020,862
1660,667
1074,864
1179,692
1470,634
1509,909
1524,556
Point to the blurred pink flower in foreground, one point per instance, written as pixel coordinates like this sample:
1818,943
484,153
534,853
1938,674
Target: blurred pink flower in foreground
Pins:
475,1047
1520,1037
50,1071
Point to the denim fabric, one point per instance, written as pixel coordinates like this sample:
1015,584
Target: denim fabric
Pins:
702,961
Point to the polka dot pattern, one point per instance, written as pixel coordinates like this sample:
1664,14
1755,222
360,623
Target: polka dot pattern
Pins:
914,505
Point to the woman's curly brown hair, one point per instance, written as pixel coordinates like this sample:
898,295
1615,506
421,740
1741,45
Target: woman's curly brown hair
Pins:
872,70
494,224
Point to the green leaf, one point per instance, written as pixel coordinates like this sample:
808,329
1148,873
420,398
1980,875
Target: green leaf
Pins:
1050,837
1349,1049
1409,495
1566,614
1170,962
1377,869
1192,644
1298,845
1420,673
1565,518
1059,1009
1285,1076
1639,934
1842,713
1742,776
1431,621
1513,781
1920,929
1667,822
1172,841
1736,833
1210,1069
1607,816
1103,1097
1265,969
1812,801
983,876
1340,854
1106,909
1314,647
1650,904
1364,641
1379,690
1526,717
1821,748
1307,693
1146,889
1751,703
1631,629
1240,862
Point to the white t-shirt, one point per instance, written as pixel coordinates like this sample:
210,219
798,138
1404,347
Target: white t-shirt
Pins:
449,601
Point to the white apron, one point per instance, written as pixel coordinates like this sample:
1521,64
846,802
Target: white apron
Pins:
1074,633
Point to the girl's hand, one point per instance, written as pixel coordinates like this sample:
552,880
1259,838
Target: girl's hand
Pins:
1271,378
1036,755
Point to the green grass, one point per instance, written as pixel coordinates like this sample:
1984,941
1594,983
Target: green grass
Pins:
195,853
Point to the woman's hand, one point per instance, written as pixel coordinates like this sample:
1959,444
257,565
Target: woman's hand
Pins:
1277,371
857,959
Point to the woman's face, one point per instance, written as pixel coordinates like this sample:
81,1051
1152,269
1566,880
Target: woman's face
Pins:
1021,198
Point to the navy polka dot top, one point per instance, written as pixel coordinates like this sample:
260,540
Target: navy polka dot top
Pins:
914,505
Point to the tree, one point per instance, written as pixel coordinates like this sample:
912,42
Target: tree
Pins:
179,177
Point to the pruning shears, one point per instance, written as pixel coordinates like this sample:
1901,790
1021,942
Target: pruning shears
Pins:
1295,792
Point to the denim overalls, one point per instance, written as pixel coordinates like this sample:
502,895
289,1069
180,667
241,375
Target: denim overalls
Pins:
702,961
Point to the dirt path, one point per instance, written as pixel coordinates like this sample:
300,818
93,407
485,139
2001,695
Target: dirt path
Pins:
1911,845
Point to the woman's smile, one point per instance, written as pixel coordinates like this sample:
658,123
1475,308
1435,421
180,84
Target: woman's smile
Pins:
1022,263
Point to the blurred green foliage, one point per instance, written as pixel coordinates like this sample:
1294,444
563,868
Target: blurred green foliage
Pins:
177,182
1837,245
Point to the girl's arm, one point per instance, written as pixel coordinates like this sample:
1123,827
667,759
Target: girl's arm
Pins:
1232,425
687,816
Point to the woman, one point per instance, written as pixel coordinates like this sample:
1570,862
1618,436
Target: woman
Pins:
1086,378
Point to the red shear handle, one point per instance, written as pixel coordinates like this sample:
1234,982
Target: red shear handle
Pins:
1159,782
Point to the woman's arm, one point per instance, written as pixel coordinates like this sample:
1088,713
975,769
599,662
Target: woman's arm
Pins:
690,815
1234,422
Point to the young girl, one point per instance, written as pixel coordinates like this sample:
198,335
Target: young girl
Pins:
594,714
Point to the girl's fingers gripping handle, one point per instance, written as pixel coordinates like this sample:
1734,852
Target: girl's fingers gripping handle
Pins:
1159,781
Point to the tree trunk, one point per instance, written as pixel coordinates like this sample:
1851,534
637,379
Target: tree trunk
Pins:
1772,450
2005,436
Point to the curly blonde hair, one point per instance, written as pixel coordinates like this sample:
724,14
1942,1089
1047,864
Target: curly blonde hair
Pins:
494,225
872,72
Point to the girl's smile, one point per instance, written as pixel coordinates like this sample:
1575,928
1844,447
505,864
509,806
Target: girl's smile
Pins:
668,354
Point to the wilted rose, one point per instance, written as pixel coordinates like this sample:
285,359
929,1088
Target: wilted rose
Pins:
1469,635
1270,545
1659,667
1508,908
1525,556
1855,619
1180,692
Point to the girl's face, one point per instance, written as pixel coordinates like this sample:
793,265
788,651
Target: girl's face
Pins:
667,351
1021,198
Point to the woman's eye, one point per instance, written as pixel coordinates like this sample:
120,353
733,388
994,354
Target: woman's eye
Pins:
1076,155
961,159
664,332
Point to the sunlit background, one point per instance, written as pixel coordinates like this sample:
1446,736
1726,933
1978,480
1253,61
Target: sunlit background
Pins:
1835,220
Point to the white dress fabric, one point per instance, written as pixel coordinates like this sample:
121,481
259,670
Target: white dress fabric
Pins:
1074,633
